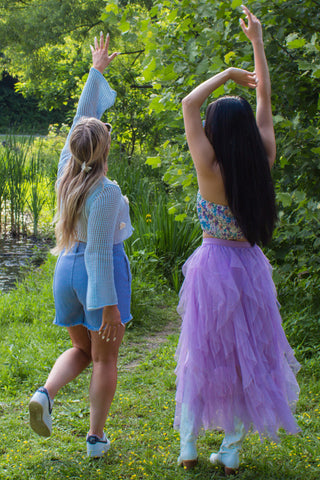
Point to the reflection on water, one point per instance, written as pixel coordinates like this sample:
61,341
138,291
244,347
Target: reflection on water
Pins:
17,253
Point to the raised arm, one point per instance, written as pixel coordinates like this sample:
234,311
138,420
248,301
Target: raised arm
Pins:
200,148
263,91
97,96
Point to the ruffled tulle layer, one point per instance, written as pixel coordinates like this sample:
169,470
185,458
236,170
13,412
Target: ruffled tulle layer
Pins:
233,358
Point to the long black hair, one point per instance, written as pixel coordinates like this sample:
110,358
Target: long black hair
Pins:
232,130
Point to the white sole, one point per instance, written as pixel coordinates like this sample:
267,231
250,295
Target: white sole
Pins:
37,422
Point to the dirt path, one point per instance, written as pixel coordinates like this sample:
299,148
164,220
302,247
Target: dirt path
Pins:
147,344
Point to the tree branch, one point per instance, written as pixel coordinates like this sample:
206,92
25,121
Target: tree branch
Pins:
131,53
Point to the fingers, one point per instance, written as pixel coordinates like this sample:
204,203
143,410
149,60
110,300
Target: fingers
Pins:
101,41
101,45
251,80
243,25
113,55
250,16
244,78
107,42
246,10
109,333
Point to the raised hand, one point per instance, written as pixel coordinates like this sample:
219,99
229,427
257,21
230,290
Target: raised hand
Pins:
100,54
254,30
243,77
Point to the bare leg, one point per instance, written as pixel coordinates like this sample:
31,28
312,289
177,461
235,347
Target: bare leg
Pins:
72,362
104,379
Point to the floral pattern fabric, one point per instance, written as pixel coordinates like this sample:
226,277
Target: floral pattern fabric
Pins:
218,220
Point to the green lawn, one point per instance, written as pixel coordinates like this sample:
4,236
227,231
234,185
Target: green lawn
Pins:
144,444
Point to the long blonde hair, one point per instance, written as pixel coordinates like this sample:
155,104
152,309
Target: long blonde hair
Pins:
89,146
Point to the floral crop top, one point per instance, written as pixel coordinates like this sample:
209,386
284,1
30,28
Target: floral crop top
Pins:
218,220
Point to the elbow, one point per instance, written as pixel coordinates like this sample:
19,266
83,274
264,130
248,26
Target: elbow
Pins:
272,156
271,160
185,102
189,104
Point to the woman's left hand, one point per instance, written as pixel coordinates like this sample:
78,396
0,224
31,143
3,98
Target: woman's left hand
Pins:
111,323
100,54
254,29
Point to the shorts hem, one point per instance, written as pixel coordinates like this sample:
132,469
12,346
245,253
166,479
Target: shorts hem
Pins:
86,325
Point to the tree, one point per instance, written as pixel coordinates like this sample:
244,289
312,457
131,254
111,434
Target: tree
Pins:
46,46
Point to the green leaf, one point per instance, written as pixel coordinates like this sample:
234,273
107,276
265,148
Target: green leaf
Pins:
181,217
236,3
124,26
293,41
316,72
285,199
228,57
172,210
154,162
218,92
299,196
203,66
156,105
316,243
149,70
173,15
112,6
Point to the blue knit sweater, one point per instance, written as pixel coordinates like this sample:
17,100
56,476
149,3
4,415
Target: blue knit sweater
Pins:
105,219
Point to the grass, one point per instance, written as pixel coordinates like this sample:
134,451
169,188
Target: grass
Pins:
144,444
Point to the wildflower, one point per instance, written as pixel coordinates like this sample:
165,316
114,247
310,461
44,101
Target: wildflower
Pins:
148,218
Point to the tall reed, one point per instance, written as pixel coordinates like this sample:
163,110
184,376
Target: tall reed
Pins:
37,194
3,184
16,152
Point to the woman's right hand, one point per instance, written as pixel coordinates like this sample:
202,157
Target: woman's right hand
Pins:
243,77
100,55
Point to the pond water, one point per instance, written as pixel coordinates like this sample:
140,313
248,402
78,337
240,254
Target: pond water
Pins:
16,254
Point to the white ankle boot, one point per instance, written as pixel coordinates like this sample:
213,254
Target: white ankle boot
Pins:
228,454
188,450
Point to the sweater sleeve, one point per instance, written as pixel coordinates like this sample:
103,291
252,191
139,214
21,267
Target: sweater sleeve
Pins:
95,99
99,251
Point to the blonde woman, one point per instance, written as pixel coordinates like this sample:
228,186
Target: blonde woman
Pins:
92,279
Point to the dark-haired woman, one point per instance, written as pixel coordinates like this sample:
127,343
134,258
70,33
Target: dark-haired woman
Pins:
92,277
235,368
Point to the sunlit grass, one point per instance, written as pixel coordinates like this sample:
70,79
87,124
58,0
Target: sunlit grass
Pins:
144,443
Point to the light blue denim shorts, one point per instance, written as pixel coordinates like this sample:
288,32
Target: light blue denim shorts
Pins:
70,288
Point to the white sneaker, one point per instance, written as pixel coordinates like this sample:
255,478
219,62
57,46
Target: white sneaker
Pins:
40,408
97,447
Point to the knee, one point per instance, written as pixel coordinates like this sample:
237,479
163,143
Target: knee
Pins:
109,358
85,352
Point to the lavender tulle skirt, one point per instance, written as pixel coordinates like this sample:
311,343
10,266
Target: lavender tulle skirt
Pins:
233,358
